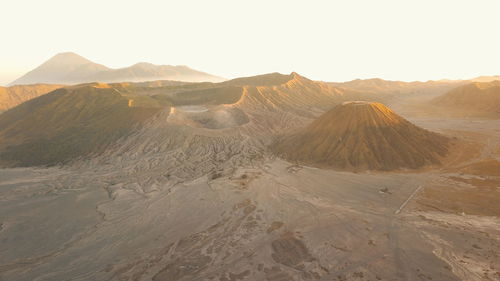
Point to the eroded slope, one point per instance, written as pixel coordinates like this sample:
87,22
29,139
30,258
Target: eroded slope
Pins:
363,135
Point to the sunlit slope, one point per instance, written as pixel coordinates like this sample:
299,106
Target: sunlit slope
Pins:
12,96
65,124
80,120
267,91
363,135
474,99
272,91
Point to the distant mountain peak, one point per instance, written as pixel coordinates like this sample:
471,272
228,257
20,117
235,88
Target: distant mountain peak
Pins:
67,55
68,58
71,68
143,64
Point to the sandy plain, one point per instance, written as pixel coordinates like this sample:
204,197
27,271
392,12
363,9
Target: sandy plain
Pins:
213,204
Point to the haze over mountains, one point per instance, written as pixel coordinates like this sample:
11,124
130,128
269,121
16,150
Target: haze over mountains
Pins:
70,68
387,87
480,99
486,78
65,124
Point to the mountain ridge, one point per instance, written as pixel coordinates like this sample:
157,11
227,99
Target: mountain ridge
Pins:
480,99
259,105
71,68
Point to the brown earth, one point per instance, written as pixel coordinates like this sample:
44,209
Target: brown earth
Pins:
66,124
192,194
15,95
363,136
481,99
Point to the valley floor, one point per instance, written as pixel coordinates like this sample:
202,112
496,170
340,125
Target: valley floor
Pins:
265,220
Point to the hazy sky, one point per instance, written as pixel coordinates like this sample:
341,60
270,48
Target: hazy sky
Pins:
323,40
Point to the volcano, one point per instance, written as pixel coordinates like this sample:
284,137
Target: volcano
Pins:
363,136
70,68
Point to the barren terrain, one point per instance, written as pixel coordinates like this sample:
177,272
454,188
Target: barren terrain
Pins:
195,194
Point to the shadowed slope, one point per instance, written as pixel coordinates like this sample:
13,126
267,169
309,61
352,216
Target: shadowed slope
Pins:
271,93
362,135
76,121
474,99
65,124
204,137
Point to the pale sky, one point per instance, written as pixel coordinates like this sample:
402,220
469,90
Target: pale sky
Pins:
322,40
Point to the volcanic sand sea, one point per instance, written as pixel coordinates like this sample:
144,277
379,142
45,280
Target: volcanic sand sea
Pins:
258,218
